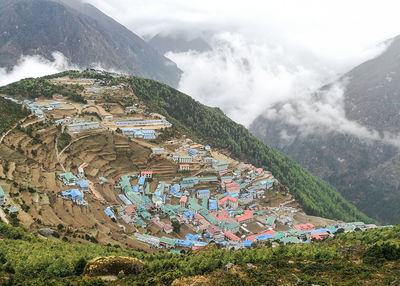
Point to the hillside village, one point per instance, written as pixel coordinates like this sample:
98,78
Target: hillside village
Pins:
120,178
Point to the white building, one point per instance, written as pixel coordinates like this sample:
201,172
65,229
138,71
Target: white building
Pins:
185,159
220,166
149,239
83,125
158,150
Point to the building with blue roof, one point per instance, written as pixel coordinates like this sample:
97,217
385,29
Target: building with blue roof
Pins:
203,194
83,184
213,205
124,199
109,212
247,243
142,180
263,237
72,194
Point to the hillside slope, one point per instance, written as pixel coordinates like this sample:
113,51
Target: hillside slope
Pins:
85,36
366,172
211,126
358,258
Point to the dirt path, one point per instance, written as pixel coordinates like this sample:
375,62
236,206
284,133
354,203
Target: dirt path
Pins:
58,154
12,127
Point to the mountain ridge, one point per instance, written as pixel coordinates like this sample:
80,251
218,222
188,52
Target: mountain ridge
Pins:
85,38
364,170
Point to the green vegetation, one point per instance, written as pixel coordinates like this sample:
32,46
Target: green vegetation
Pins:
212,127
10,113
63,140
33,88
370,257
30,88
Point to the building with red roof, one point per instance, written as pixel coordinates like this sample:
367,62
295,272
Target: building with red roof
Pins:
247,217
184,167
253,237
231,236
320,235
306,226
183,201
146,174
228,201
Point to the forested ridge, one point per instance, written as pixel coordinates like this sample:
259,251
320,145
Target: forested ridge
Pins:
358,258
211,126
10,113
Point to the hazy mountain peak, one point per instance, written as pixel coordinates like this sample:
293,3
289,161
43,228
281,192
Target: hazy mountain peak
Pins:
85,35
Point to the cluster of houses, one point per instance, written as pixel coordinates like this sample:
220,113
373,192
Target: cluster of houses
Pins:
218,214
79,186
37,109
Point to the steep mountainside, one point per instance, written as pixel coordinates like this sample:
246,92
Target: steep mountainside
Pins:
212,126
366,172
372,95
84,35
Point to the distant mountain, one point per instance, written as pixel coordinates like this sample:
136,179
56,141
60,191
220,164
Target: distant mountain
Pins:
85,35
178,44
366,172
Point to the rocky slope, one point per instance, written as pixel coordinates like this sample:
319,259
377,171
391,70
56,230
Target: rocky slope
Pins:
365,171
85,36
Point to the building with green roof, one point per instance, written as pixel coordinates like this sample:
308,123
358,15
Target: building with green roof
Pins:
194,205
229,226
147,189
207,179
290,239
204,203
270,221
167,242
67,178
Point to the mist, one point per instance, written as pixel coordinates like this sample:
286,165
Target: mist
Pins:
263,53
35,66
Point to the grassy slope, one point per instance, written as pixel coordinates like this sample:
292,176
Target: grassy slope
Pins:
367,258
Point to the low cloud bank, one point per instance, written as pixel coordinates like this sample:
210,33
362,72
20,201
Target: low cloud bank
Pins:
35,66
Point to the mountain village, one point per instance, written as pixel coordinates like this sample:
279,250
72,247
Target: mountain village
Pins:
191,197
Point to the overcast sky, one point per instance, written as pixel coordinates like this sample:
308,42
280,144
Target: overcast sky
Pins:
264,52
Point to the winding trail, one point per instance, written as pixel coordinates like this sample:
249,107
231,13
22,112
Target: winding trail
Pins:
11,128
58,154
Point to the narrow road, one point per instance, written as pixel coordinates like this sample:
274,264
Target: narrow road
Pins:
12,127
58,154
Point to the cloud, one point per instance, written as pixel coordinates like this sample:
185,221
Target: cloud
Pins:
246,77
321,113
35,66
264,52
